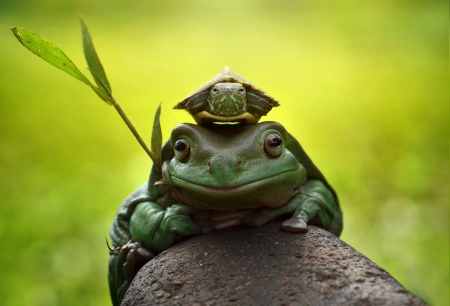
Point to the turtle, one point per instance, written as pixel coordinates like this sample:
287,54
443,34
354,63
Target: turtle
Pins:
228,97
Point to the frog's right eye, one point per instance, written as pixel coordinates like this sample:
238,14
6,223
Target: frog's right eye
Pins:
182,149
273,145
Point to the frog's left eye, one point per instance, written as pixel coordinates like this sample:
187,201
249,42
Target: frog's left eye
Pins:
182,149
273,145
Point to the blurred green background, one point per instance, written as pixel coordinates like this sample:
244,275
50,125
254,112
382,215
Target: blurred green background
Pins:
363,87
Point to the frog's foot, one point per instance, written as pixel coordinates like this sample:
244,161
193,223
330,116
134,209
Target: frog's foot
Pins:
295,225
203,219
125,263
303,209
255,219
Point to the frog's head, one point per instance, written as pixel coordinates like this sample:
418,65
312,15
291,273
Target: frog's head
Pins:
232,167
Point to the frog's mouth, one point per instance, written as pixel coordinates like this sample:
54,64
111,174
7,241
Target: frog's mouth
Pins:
290,176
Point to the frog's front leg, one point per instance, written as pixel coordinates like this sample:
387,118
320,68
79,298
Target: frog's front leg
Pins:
314,204
157,229
154,230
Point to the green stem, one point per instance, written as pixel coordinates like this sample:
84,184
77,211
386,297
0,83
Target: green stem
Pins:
136,134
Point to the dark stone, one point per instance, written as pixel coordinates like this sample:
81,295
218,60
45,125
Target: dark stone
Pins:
265,266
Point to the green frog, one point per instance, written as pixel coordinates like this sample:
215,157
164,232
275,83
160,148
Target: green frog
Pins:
215,177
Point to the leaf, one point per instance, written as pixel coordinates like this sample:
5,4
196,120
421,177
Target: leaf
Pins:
95,66
156,142
48,52
101,94
53,55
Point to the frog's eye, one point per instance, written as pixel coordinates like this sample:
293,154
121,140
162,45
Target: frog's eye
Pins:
182,149
273,145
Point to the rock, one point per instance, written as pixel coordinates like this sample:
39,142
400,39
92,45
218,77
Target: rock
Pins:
265,266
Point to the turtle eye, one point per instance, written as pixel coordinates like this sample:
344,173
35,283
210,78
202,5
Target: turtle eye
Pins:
182,150
273,145
241,91
214,90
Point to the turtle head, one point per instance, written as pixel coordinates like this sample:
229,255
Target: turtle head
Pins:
227,99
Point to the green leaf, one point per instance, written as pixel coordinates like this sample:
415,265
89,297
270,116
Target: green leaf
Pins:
156,144
95,66
48,52
101,94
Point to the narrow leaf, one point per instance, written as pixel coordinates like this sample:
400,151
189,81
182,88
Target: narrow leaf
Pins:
48,52
157,135
95,66
101,94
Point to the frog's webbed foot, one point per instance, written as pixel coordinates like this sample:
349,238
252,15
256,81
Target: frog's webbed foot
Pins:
257,219
314,204
124,264
203,219
294,225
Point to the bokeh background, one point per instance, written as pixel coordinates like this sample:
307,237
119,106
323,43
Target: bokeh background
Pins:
363,87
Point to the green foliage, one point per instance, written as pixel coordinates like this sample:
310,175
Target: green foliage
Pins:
48,52
93,61
363,87
156,142
53,55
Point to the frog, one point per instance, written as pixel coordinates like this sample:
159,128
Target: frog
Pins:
215,177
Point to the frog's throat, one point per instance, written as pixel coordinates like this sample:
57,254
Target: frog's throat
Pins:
231,191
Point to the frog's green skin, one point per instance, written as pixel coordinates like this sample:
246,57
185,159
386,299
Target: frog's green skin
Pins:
228,97
231,174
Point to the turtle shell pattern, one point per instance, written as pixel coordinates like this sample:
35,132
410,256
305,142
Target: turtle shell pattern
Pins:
257,103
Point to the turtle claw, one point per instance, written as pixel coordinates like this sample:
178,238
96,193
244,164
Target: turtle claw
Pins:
295,225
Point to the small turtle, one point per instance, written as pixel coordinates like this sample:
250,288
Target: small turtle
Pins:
228,97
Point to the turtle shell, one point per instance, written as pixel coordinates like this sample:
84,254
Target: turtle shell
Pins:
257,102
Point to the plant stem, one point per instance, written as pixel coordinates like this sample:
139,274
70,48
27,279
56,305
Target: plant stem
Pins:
136,134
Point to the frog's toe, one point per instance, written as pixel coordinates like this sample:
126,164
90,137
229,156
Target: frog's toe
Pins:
144,254
255,219
206,226
294,225
135,256
124,264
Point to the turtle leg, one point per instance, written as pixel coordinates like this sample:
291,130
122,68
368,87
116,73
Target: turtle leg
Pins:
314,205
197,102
257,105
